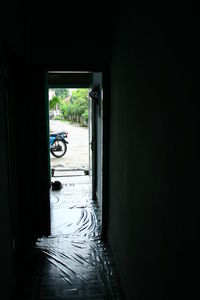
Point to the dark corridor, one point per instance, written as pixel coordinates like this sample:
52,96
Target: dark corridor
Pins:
148,54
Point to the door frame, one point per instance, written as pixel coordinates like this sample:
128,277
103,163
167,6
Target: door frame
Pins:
66,80
96,96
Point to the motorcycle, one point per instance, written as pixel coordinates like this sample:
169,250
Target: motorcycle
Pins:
58,143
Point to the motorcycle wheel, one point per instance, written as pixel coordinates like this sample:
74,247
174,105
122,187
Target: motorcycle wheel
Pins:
58,148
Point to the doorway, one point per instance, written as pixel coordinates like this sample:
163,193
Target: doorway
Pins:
68,117
80,175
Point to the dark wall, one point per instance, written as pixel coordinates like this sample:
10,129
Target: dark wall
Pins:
11,38
76,37
6,249
12,25
32,152
24,188
153,208
24,196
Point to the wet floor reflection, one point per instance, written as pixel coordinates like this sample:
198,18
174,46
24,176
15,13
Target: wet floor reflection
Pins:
77,263
72,211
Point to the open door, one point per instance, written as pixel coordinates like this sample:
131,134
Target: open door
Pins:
95,136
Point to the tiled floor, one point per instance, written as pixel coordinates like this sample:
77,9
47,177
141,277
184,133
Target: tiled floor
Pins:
73,263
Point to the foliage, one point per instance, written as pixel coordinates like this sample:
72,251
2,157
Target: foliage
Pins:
80,105
80,101
85,115
58,118
79,93
67,109
75,109
62,93
53,102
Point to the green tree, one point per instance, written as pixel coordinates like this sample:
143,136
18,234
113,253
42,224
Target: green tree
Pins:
53,102
67,110
79,93
80,102
62,93
77,107
85,115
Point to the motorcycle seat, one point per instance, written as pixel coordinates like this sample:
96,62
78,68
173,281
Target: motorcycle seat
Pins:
58,133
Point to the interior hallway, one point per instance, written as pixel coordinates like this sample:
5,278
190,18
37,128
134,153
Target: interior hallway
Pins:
72,263
149,57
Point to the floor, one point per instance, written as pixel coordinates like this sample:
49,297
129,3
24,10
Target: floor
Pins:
73,263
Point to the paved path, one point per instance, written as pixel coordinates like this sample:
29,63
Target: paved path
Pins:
77,152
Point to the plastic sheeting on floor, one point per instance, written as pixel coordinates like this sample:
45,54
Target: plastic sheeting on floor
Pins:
77,264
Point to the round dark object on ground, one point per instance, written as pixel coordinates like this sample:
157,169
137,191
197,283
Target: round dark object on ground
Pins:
56,185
